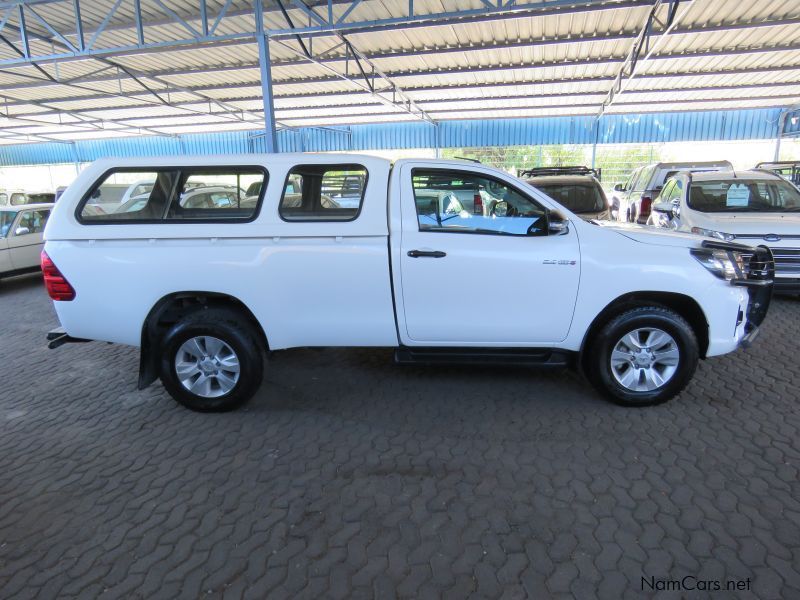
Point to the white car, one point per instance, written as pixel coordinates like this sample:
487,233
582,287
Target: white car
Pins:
408,266
21,229
748,207
635,199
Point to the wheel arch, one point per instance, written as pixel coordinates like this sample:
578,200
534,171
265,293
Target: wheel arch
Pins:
173,307
684,305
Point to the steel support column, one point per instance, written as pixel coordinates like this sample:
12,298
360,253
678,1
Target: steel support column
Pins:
271,137
76,158
781,127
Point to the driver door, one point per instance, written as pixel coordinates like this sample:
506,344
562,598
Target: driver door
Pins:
25,238
478,267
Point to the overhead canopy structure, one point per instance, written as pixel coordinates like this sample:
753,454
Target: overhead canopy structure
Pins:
76,70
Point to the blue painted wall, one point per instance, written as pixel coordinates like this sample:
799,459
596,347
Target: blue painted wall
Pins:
611,129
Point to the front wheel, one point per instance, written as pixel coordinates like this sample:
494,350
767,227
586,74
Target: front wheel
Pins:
643,357
211,361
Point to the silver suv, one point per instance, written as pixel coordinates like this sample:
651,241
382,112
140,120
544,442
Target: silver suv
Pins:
636,197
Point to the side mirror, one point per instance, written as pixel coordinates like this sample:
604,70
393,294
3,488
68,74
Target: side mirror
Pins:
619,188
663,207
500,209
676,210
22,231
556,223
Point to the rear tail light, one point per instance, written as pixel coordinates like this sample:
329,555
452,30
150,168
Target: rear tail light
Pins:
647,203
478,207
57,285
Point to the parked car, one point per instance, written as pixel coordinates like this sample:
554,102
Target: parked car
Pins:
632,308
636,201
21,229
619,197
788,169
750,207
576,188
212,197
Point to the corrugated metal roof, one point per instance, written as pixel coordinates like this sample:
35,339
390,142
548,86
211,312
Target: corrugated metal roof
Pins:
534,59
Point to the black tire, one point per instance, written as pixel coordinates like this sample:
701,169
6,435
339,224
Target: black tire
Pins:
233,330
598,360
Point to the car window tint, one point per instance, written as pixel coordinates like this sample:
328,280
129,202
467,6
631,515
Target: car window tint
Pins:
464,202
732,195
41,198
676,191
33,220
666,190
230,193
643,179
323,193
174,194
6,220
578,198
129,195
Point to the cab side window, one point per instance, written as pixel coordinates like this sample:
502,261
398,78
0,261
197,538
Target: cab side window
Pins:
643,179
463,202
323,193
666,192
676,192
33,220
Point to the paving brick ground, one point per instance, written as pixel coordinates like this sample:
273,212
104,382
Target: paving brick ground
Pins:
349,477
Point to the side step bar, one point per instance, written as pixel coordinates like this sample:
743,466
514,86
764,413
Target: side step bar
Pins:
543,357
58,337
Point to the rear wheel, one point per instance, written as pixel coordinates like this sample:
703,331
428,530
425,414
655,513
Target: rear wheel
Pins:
211,361
644,356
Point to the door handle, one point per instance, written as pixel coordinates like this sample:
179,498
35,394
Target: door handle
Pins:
427,253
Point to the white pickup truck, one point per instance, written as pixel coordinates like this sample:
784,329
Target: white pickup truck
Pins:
445,261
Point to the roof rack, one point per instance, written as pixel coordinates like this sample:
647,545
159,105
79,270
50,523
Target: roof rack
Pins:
550,171
777,163
788,169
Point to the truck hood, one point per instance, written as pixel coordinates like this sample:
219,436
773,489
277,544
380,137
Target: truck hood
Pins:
654,235
753,223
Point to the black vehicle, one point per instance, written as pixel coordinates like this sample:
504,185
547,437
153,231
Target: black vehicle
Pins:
577,188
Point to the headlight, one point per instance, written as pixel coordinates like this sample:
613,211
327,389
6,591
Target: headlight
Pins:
725,264
725,237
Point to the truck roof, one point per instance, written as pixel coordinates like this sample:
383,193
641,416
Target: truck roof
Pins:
561,179
692,164
732,175
20,207
236,159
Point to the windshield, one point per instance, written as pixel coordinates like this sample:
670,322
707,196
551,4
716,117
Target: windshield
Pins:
575,197
743,195
6,218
